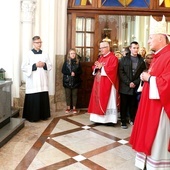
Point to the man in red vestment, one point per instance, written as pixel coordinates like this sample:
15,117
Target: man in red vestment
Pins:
102,105
151,132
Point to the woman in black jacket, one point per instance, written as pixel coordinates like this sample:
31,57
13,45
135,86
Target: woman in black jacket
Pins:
71,79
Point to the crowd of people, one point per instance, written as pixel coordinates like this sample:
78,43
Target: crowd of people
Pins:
150,113
103,104
150,136
115,88
124,83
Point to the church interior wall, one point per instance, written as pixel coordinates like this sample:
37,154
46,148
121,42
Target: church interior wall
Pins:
50,23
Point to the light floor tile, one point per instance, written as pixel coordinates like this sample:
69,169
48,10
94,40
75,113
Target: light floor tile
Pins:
115,130
83,141
63,125
83,119
108,160
48,155
76,166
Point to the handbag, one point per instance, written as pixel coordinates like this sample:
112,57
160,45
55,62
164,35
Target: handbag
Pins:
140,87
66,78
68,81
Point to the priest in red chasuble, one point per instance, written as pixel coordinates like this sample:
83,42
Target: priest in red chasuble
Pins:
151,132
103,102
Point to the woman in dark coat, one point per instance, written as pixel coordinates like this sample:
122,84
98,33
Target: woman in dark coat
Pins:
71,79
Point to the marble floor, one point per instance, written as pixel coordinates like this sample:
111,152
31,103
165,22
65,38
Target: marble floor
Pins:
68,142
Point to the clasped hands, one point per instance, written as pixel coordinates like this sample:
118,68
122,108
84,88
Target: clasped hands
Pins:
40,64
132,85
72,74
98,65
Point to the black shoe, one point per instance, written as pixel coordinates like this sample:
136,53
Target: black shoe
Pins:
124,126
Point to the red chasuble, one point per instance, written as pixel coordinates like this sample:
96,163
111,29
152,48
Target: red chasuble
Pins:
102,84
149,111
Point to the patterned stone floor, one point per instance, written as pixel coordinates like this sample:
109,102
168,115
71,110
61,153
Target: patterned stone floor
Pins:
68,142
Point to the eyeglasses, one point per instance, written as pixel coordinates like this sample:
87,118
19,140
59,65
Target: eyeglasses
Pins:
37,42
103,47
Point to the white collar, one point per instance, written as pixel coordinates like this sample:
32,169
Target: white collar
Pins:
160,49
106,54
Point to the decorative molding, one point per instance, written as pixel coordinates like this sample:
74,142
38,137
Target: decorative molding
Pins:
108,18
28,10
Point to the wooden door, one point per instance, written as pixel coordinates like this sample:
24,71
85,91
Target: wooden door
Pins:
83,37
92,9
84,91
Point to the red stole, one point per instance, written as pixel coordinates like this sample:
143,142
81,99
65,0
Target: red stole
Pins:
102,85
149,110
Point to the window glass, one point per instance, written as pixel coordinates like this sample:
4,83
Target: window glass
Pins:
127,3
89,52
89,24
79,39
89,39
83,2
84,38
80,24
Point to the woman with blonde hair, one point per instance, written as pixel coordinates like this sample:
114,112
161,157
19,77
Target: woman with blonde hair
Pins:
142,52
71,79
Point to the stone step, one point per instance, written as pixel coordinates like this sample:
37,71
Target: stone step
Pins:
15,112
10,130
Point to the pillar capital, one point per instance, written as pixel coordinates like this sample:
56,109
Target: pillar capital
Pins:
28,10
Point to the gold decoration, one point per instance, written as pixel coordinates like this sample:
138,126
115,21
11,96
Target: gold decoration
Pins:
83,2
167,3
125,2
86,2
106,39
